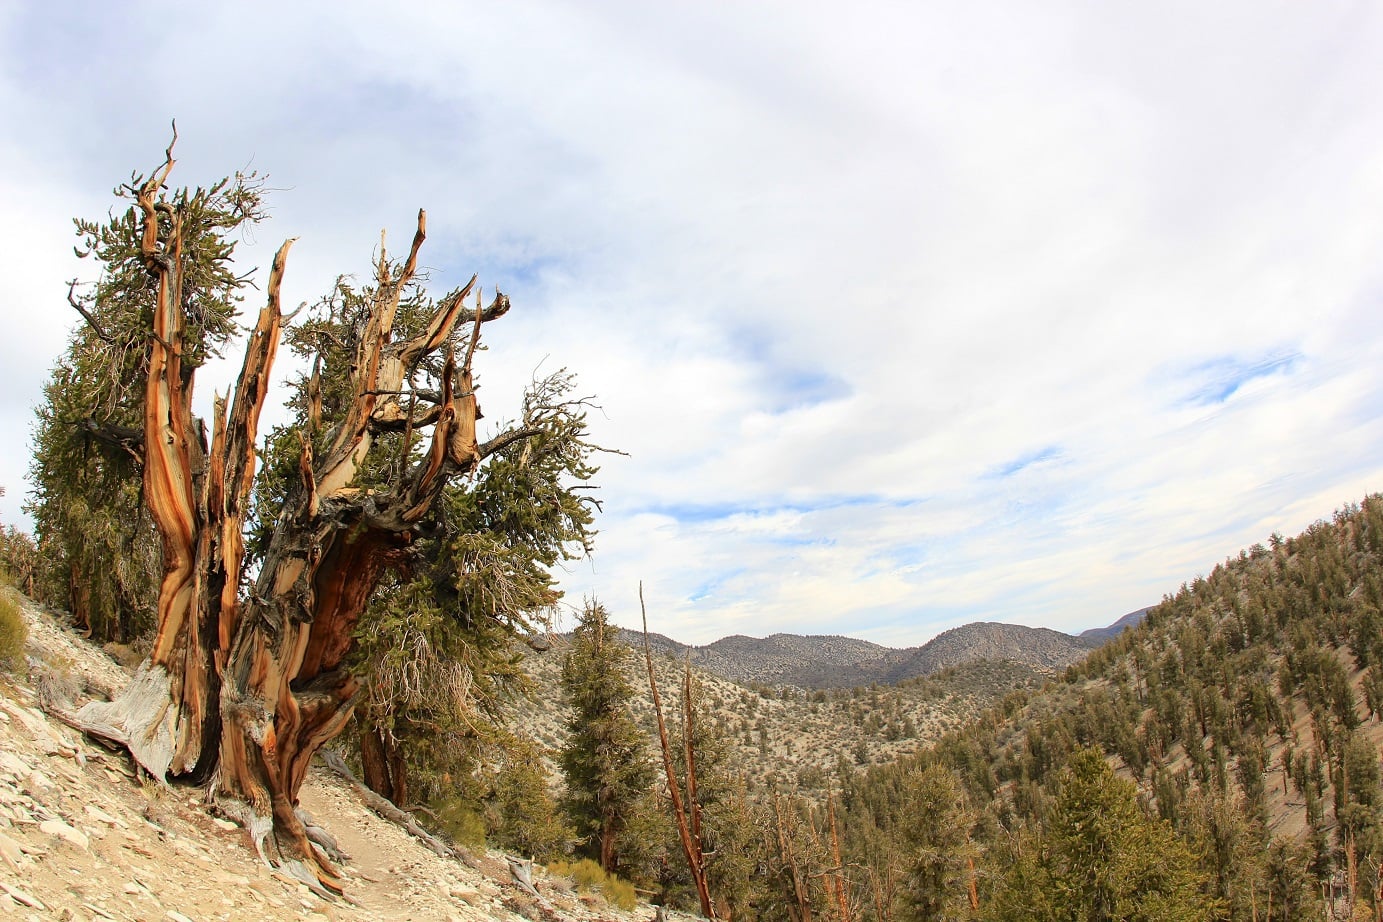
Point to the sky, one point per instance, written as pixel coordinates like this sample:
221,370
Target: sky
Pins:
904,315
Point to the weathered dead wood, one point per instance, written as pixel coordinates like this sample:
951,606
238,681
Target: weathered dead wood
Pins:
233,468
800,909
521,869
288,691
691,845
175,733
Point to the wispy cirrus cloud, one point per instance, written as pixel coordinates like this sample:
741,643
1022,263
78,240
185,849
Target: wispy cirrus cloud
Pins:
1212,381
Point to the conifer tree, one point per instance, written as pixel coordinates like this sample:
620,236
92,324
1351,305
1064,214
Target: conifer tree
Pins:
253,665
936,826
1099,858
609,772
525,817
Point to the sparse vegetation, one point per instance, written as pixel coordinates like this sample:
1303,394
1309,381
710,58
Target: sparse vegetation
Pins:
591,878
14,633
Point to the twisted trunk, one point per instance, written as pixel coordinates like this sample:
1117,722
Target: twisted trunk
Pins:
238,692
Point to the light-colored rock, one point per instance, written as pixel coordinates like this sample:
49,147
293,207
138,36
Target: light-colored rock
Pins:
11,852
101,816
38,781
14,766
65,832
20,896
466,895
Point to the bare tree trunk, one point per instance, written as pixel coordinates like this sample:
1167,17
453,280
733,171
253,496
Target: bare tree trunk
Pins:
242,693
801,907
383,766
841,885
691,840
374,767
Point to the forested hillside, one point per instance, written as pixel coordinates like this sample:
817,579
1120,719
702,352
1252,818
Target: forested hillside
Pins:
1244,714
1219,761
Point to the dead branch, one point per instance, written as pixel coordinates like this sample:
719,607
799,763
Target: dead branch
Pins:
126,438
690,847
80,308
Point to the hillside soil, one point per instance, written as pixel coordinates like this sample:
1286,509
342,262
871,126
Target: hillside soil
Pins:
83,838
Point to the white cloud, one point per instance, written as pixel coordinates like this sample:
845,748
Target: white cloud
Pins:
835,273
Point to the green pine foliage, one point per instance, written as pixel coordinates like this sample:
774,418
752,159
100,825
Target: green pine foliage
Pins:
606,761
1097,856
98,553
18,558
938,835
524,818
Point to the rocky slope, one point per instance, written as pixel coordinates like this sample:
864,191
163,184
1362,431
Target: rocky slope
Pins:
1033,646
82,838
784,734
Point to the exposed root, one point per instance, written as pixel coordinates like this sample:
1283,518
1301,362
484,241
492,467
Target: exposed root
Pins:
322,838
141,720
313,868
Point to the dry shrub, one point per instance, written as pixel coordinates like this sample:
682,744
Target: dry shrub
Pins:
14,633
589,877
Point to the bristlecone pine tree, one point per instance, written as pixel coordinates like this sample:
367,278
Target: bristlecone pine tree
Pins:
248,674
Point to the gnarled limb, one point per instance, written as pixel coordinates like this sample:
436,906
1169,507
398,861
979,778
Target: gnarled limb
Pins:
242,686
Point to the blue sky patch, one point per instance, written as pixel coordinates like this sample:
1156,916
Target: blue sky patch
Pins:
796,389
1026,460
1214,381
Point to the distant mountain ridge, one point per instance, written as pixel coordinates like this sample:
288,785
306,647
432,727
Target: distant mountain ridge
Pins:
1103,634
828,661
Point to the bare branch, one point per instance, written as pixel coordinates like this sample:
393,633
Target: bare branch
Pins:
81,309
505,439
475,335
129,439
418,237
437,332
